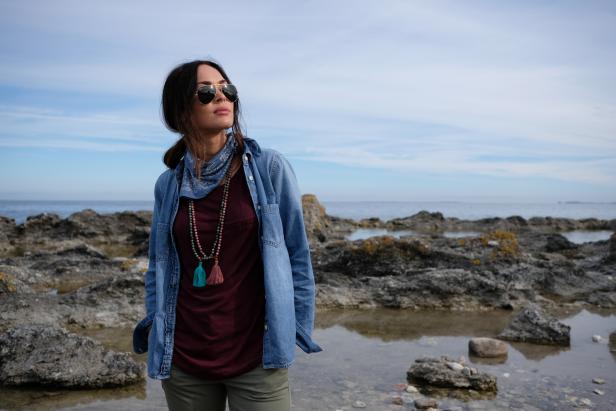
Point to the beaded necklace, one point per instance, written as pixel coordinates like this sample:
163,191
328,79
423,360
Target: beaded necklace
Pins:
199,275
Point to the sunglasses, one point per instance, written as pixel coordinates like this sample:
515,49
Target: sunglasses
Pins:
206,92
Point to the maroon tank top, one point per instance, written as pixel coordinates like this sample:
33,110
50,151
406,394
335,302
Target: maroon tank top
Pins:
219,328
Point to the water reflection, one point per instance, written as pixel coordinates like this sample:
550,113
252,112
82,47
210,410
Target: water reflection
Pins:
393,325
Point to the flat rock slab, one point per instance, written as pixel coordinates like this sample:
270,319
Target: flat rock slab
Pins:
438,372
535,326
487,347
51,356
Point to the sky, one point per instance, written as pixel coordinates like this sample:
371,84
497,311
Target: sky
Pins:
479,101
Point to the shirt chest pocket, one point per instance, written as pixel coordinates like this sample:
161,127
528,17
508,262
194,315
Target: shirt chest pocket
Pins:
162,241
271,225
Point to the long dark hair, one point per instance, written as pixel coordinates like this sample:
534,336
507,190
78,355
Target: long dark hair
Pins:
177,98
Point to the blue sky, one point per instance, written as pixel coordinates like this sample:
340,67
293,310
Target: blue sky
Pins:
392,100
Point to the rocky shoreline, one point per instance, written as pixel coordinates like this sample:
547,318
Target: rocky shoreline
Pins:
86,271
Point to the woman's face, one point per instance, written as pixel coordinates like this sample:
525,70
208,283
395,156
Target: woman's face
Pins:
217,114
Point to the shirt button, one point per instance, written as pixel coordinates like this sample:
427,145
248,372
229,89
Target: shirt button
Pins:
250,178
259,207
265,327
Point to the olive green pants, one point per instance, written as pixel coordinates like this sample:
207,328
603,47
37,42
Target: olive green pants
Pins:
257,390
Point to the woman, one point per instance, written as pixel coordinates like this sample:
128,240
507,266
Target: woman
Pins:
229,287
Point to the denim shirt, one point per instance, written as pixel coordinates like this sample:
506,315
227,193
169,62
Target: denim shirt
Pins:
288,276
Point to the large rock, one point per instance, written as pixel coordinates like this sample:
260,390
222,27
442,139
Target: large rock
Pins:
315,219
8,231
375,256
445,373
48,231
558,242
50,356
535,326
487,347
423,221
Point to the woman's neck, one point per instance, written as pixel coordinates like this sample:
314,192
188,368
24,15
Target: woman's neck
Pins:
210,145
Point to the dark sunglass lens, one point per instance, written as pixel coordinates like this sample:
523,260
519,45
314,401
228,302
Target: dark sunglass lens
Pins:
230,92
206,94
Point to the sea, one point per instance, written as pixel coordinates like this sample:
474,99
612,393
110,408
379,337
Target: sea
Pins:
385,210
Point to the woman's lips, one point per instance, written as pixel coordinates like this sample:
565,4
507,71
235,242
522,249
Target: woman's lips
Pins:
222,112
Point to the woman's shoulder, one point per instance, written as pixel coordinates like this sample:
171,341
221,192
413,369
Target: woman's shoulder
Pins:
163,179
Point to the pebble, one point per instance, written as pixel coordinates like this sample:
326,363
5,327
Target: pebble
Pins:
506,375
598,391
455,366
359,404
571,398
598,380
596,338
397,401
412,389
424,403
586,401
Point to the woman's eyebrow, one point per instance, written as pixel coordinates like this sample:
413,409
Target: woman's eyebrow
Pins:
209,82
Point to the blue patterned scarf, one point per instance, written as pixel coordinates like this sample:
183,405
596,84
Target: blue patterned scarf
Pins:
212,172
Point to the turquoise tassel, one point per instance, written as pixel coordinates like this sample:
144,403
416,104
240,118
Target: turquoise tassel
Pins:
199,276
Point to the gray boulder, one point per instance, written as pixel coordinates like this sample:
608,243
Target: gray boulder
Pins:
50,356
535,326
440,372
558,242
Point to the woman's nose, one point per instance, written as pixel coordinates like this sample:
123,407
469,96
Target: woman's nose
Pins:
219,94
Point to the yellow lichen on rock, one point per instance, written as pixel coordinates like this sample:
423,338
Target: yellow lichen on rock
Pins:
507,243
7,283
127,264
374,244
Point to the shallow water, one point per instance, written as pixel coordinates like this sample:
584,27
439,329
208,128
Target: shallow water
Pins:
363,233
366,353
584,236
461,234
575,236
